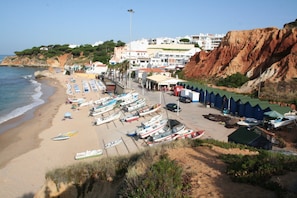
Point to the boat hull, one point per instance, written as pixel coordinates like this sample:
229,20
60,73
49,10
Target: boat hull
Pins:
88,154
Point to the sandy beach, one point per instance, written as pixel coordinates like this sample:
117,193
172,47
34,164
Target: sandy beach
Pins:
28,152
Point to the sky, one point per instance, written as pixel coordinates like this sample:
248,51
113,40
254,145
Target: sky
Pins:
33,23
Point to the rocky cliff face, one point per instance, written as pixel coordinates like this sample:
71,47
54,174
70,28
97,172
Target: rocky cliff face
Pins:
260,54
60,61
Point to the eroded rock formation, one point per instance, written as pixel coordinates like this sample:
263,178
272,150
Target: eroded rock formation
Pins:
260,54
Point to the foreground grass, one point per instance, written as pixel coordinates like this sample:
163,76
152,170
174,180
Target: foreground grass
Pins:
152,174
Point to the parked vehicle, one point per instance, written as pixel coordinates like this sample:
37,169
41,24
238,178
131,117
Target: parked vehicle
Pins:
185,99
173,107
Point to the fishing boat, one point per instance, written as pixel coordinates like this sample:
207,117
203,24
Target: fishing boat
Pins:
113,143
154,128
135,105
109,118
130,117
100,109
249,122
151,121
64,136
167,134
191,134
60,137
76,100
149,109
102,101
283,121
132,99
88,154
87,103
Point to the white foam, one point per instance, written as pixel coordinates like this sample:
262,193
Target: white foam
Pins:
36,101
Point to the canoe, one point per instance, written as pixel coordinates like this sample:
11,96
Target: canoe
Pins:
88,154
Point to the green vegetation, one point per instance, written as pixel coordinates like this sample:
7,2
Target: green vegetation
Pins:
259,169
168,181
184,40
152,174
100,53
235,80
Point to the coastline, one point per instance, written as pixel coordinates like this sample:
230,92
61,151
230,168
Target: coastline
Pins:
33,154
23,137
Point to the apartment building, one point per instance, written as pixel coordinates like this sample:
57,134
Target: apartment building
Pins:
164,52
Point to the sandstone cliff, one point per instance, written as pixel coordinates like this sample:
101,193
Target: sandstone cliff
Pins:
260,54
40,61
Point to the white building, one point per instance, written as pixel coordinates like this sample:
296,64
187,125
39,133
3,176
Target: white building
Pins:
164,52
97,68
207,41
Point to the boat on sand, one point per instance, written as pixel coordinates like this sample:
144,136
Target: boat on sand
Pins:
88,154
130,117
149,109
113,143
152,121
109,118
64,136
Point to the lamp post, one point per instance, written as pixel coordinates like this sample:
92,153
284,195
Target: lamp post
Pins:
131,11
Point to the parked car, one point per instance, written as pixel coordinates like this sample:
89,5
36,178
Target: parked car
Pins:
173,107
185,99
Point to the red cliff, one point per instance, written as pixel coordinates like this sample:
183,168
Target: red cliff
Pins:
270,52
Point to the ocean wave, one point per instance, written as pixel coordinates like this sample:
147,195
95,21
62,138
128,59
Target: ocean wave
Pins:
36,101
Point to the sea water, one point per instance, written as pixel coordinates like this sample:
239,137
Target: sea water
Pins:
20,92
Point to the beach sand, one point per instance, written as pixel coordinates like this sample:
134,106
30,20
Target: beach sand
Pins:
27,151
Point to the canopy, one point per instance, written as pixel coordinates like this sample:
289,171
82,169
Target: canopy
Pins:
273,114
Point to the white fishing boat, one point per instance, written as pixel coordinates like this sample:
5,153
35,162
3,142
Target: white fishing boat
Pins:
101,85
151,121
167,134
283,121
249,122
76,100
130,117
102,101
65,136
86,86
123,96
132,99
88,103
154,128
88,154
135,105
93,85
100,109
149,109
60,137
109,118
113,143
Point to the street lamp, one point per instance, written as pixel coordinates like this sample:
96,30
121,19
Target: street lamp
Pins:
131,11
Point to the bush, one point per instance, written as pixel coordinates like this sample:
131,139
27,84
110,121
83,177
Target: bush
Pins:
163,179
235,80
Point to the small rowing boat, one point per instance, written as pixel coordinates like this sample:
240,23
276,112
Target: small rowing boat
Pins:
88,154
113,143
